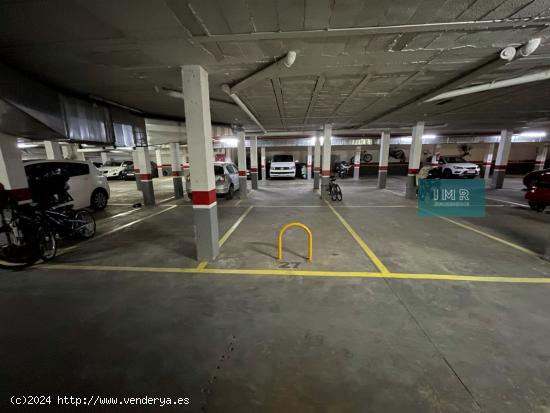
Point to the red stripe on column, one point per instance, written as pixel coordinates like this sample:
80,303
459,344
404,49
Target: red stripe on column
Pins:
176,173
204,197
412,171
20,194
382,168
500,167
487,163
316,169
136,171
242,173
540,162
253,170
325,173
145,177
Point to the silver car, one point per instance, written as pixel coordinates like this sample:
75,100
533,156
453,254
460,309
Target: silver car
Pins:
227,179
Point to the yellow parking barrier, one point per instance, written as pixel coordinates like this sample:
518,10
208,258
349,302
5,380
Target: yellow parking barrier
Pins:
309,239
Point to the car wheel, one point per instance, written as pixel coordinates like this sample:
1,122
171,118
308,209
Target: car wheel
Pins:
230,192
99,199
120,176
447,174
537,206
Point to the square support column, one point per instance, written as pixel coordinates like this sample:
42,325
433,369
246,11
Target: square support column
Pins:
308,161
12,171
384,159
254,161
135,160
317,162
414,159
53,150
488,161
199,140
435,156
104,158
158,156
325,169
175,164
542,153
501,162
241,155
357,163
145,175
262,161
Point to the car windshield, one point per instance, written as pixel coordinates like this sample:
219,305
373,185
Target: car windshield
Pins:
283,158
218,170
454,159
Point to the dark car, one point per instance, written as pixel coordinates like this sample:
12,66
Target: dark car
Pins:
531,178
539,194
129,175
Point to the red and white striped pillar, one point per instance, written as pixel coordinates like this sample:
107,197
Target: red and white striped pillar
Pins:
317,163
254,161
501,162
325,169
241,155
145,175
488,161
308,162
158,155
136,169
384,159
542,153
175,160
262,162
414,159
357,162
435,156
12,171
185,169
201,162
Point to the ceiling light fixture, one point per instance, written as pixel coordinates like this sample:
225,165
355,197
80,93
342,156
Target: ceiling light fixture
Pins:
533,134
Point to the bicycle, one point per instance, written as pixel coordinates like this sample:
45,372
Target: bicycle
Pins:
343,169
334,189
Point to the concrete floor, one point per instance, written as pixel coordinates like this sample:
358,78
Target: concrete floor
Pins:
130,314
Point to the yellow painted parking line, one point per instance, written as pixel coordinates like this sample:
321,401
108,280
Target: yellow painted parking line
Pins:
304,273
494,238
202,265
375,260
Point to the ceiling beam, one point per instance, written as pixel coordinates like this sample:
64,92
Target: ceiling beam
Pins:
318,87
465,26
277,89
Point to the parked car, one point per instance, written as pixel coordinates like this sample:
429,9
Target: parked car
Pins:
455,166
87,185
282,166
115,170
531,178
128,173
227,179
538,195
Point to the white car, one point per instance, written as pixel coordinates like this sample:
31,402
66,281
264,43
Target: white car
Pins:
455,166
282,166
115,170
87,186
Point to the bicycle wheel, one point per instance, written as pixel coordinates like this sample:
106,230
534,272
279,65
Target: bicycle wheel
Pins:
338,193
47,245
84,224
367,157
333,192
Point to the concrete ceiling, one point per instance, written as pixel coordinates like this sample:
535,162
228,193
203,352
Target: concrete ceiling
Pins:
121,50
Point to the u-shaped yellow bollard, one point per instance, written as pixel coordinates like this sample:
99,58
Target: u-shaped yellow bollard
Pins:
309,239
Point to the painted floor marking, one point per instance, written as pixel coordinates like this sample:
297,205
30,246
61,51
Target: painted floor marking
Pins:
202,265
508,202
494,238
303,273
375,260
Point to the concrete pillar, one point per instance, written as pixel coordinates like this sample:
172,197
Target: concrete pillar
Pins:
316,162
158,156
308,161
414,159
104,158
254,161
53,150
175,163
70,152
199,141
241,158
145,175
384,159
79,156
488,161
325,169
357,162
262,160
12,172
542,153
185,168
435,156
501,162
136,169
